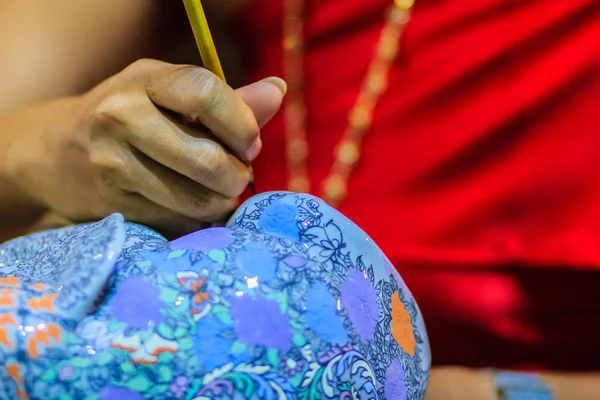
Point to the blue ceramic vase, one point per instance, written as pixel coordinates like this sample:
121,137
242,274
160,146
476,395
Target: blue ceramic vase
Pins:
290,301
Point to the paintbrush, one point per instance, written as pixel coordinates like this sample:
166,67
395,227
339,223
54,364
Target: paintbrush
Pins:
208,52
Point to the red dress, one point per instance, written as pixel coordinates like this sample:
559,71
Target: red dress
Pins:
480,178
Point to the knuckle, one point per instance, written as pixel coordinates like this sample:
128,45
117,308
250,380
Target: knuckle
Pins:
112,169
239,180
143,64
112,112
194,203
213,166
211,163
200,205
207,206
206,87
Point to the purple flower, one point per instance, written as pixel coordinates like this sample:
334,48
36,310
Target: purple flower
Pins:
212,344
395,381
119,393
256,260
179,386
295,261
359,298
205,240
260,322
322,317
280,219
291,366
137,303
67,372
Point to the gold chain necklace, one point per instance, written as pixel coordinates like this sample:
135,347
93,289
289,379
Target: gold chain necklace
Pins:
347,152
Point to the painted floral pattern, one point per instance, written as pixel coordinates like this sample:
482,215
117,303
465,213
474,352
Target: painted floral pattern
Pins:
402,328
289,301
359,298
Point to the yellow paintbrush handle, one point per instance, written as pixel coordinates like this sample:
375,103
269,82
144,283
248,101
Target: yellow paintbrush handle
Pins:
207,49
204,39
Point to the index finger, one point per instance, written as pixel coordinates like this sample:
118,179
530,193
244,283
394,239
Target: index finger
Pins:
200,96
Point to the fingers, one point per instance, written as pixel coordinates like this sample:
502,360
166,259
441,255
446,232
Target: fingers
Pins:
264,98
191,153
167,222
199,95
172,191
176,173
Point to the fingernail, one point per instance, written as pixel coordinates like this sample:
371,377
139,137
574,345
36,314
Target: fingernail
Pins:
253,151
280,83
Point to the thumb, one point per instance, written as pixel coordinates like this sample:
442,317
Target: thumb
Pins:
264,98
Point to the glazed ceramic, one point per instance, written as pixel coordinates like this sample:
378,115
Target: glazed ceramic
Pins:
290,301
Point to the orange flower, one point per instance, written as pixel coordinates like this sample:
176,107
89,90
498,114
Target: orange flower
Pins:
21,394
41,335
7,318
5,339
39,286
7,301
14,371
46,302
10,281
402,329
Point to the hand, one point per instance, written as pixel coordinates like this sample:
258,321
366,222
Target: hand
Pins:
160,143
455,383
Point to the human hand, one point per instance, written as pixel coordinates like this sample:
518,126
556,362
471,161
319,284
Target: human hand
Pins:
157,142
457,383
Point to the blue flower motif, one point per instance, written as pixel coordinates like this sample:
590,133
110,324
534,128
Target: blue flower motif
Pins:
137,303
179,386
395,381
212,344
280,218
359,298
326,241
322,316
256,260
259,321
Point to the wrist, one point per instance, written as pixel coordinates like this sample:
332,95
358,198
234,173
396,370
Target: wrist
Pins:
25,152
30,142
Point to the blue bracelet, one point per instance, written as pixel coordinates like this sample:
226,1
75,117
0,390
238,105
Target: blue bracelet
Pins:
521,386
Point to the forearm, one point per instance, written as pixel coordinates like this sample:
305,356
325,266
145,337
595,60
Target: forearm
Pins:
20,146
573,386
450,383
50,50
53,49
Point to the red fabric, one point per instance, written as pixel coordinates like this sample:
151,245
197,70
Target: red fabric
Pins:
480,178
